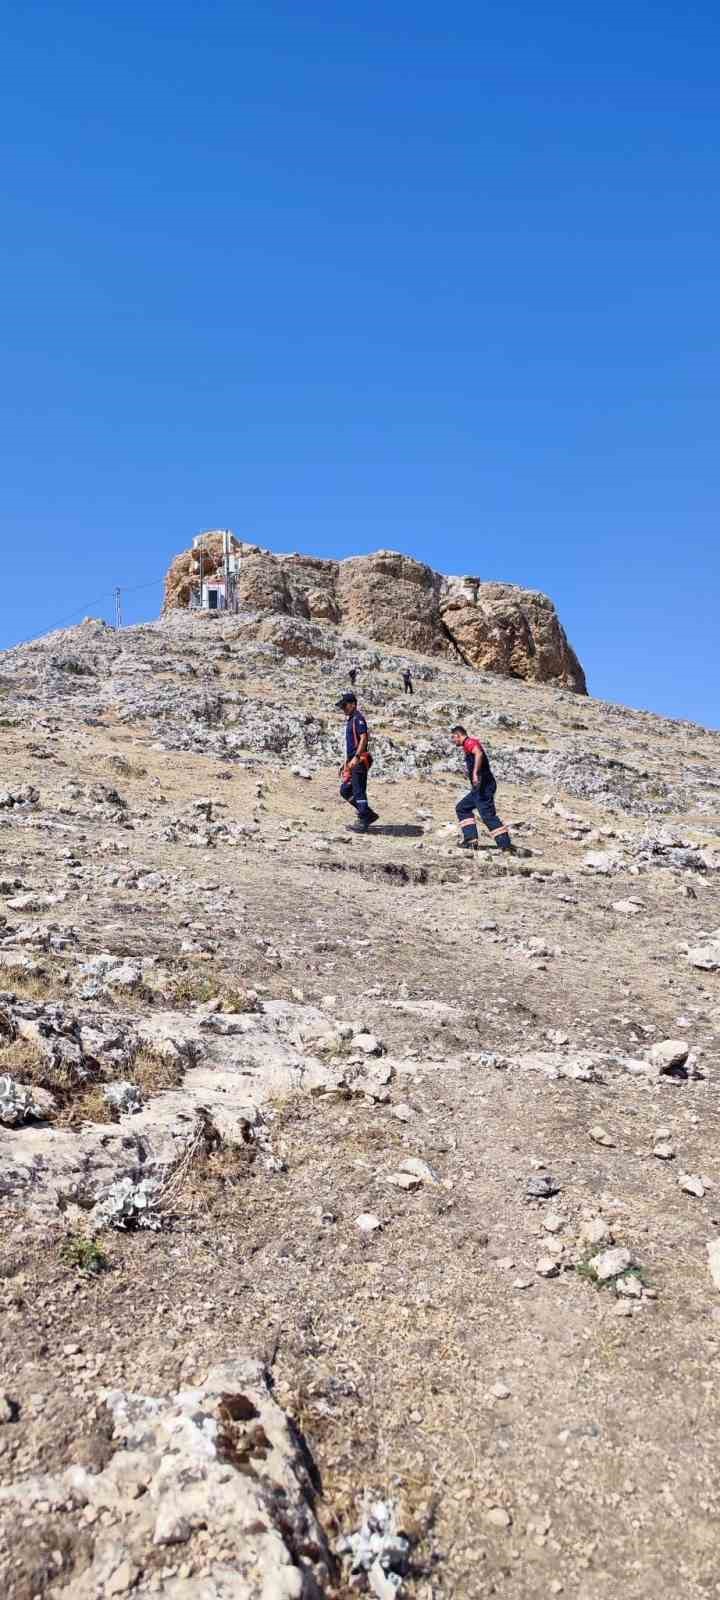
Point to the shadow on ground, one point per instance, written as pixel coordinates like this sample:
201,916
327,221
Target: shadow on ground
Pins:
398,830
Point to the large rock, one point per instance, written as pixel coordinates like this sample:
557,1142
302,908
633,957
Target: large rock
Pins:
494,627
221,1459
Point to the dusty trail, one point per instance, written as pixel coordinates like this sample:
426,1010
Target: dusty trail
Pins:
538,1433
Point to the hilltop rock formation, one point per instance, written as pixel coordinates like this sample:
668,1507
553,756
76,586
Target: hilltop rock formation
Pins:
493,627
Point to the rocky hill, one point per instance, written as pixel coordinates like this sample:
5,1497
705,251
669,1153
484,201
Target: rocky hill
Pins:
495,627
359,1200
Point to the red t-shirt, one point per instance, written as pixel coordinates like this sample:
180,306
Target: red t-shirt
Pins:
470,748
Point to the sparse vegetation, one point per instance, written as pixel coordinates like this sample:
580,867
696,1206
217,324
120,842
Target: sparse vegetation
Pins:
196,988
585,1270
153,1072
193,988
89,1105
24,1060
84,1253
42,985
74,1089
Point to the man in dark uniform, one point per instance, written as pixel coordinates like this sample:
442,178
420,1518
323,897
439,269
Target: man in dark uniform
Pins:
481,797
407,680
358,760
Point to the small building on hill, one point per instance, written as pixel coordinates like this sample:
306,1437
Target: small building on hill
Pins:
213,577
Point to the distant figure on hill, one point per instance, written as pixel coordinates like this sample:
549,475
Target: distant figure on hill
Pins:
481,797
407,680
352,675
358,761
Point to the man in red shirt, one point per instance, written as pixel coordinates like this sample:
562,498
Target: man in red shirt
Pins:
481,797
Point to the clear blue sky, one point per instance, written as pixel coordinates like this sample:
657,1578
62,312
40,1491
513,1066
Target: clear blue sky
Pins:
344,276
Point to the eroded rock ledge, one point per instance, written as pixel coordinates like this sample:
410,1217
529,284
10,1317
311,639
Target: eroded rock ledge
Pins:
493,627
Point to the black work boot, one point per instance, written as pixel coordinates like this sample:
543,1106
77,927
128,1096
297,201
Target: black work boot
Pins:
468,844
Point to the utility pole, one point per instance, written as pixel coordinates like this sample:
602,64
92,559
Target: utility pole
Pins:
201,574
118,611
226,550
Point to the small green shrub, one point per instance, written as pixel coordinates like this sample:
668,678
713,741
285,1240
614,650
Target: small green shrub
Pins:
85,1254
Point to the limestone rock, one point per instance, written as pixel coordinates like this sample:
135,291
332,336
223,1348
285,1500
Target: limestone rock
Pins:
669,1053
493,627
611,1264
221,1457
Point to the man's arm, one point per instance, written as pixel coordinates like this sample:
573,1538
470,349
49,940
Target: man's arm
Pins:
360,732
477,764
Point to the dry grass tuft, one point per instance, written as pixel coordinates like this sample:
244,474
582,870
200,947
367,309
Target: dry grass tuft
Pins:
153,1072
42,985
196,988
193,988
24,1059
88,1106
76,1093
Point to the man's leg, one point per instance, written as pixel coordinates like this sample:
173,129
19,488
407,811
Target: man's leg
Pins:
465,813
360,799
486,807
346,793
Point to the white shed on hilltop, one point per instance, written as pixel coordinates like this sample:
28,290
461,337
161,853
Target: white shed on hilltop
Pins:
217,561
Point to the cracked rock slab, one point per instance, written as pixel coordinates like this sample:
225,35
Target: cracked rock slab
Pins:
222,1458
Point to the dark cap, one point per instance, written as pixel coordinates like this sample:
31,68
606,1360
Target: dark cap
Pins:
349,698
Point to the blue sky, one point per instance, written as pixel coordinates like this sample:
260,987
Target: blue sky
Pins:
343,277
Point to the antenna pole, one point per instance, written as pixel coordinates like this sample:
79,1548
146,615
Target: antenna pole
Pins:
118,610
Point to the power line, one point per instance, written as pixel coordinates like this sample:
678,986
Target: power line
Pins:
84,610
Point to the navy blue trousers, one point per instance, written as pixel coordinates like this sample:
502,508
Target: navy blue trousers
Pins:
355,790
482,800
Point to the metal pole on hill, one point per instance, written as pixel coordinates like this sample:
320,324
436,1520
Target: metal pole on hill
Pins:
118,611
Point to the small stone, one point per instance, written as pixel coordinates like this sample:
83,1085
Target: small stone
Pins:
367,1222
664,1152
691,1185
600,1136
122,1578
500,1391
622,1308
170,1527
542,1187
627,908
547,1267
402,1112
498,1517
669,1053
629,1286
506,1263
595,1231
419,1169
368,1044
553,1222
522,1283
611,1263
403,1180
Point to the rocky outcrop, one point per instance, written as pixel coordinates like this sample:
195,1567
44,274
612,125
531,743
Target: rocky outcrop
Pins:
221,1461
493,627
